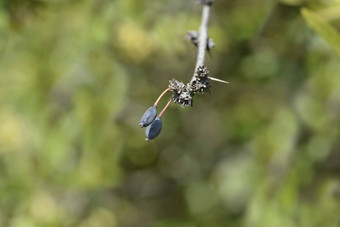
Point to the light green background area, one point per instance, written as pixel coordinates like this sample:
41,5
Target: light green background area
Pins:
77,75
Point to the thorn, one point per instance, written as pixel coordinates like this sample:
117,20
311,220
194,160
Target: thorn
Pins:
218,80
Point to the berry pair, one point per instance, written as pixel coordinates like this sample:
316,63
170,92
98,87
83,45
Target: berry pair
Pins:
153,123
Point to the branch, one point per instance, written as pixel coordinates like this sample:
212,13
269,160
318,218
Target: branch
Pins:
203,38
199,83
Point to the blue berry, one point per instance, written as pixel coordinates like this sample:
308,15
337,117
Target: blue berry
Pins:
153,130
148,117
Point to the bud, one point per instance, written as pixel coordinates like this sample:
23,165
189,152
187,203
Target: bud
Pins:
148,117
153,130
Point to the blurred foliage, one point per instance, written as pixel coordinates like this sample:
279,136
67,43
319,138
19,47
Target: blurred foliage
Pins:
76,76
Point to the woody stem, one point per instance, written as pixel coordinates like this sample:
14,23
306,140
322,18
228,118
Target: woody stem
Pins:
203,37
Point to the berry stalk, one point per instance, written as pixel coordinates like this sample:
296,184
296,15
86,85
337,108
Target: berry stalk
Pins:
159,98
164,109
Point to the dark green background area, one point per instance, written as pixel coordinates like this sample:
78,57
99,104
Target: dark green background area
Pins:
77,75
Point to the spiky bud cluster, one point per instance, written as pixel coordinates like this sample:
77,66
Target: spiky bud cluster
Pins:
201,83
181,93
193,37
206,2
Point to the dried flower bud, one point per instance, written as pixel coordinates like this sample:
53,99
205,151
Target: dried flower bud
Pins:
182,93
193,37
148,117
201,81
205,2
201,72
210,44
153,130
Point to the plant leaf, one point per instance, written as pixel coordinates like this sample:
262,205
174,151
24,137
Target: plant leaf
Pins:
323,28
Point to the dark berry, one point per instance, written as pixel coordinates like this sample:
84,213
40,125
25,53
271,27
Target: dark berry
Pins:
153,130
148,117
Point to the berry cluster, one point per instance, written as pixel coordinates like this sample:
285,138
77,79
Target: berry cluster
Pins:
149,120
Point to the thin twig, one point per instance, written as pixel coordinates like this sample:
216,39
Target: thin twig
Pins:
203,38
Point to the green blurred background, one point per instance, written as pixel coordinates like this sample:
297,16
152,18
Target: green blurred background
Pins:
76,76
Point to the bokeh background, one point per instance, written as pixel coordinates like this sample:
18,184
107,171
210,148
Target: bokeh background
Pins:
76,76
